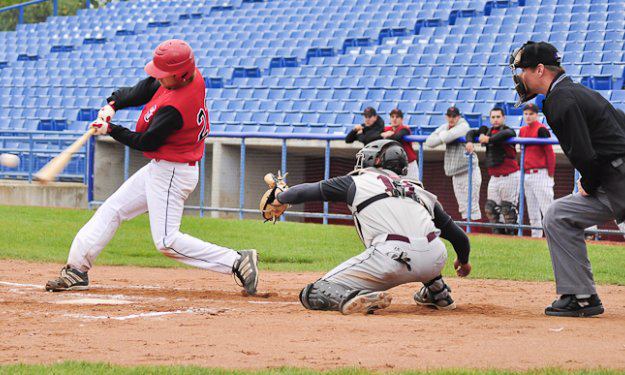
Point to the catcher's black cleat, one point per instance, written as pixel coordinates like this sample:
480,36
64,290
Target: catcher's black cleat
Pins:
366,302
70,279
424,297
569,305
246,270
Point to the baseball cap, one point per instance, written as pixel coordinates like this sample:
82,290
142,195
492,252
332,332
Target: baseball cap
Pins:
369,112
531,107
531,54
453,112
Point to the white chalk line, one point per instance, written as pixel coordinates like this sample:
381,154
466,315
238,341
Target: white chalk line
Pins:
147,314
142,298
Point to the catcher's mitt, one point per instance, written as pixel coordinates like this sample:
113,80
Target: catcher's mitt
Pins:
268,210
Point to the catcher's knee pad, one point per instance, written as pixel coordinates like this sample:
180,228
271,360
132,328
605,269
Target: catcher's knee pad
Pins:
324,295
493,210
437,288
509,212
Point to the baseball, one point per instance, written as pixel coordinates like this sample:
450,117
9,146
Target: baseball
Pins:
269,180
9,160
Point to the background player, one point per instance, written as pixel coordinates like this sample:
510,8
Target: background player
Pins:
170,131
456,163
503,186
396,132
398,222
540,166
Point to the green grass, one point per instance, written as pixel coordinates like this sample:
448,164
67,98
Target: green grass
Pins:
45,234
100,368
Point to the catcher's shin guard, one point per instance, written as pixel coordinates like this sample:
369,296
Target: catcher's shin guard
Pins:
493,211
435,293
510,215
324,295
69,279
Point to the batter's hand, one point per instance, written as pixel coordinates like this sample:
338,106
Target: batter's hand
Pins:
106,113
484,139
462,270
101,127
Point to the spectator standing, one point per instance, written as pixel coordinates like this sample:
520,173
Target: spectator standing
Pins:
539,167
456,162
369,130
503,187
397,131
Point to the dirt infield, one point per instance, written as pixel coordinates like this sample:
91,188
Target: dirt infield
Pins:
165,316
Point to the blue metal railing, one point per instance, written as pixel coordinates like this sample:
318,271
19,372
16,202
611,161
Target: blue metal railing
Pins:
20,7
32,138
31,144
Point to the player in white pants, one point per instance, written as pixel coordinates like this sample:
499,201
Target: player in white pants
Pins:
398,222
170,131
540,166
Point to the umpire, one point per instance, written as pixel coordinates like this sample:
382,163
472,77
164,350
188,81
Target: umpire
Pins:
592,135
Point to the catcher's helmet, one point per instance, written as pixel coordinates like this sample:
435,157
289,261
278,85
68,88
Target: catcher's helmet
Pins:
173,57
383,153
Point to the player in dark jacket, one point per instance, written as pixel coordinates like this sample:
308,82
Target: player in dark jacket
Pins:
503,186
369,130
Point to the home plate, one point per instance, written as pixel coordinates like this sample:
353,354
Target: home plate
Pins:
94,301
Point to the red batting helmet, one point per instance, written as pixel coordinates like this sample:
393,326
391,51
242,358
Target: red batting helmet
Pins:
172,57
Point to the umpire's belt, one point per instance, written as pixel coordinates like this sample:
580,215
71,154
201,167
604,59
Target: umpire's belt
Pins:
413,241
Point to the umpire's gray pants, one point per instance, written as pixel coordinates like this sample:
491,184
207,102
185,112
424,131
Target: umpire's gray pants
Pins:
378,268
564,225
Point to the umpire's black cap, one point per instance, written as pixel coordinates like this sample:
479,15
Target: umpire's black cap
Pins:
532,54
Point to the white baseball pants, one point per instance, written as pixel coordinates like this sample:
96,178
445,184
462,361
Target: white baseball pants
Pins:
389,264
461,191
538,196
504,188
160,188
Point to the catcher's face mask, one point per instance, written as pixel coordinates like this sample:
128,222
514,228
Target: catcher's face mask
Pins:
519,85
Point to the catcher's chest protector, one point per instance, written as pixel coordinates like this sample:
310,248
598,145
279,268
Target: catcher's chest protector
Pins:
385,204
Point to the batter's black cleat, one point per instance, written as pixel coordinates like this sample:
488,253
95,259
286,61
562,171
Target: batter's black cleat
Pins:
246,270
569,305
70,279
366,302
424,298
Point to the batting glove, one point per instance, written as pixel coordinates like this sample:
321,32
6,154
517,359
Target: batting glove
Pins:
106,113
101,127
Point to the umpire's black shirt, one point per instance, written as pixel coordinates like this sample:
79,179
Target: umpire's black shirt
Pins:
592,135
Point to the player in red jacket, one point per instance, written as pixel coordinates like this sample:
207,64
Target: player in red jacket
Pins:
397,131
170,131
540,166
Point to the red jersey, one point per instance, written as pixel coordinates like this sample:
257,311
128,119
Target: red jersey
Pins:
412,156
538,156
186,144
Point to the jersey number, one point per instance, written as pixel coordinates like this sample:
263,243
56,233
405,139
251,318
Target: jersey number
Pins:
398,188
202,120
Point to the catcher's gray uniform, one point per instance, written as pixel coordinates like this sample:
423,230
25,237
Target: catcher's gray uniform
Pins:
388,263
399,223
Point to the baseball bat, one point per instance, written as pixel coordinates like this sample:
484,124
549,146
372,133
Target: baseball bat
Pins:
56,165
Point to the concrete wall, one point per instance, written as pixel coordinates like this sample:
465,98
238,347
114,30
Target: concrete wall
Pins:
56,194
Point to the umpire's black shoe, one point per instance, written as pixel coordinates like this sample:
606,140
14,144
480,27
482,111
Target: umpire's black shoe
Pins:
569,305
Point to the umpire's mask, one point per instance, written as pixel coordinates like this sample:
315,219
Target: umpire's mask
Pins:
530,55
383,153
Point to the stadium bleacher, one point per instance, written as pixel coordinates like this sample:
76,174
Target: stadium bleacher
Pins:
306,66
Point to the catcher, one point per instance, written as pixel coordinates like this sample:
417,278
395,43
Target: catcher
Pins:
399,223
